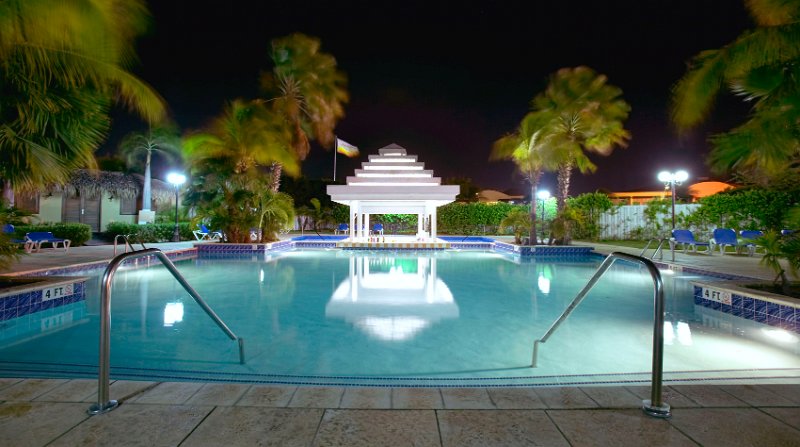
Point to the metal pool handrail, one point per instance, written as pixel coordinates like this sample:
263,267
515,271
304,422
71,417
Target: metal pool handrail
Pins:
103,404
654,406
126,238
658,249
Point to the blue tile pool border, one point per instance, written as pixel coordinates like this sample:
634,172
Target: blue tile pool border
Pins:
763,307
49,293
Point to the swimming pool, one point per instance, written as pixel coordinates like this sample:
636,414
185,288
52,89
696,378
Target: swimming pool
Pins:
423,318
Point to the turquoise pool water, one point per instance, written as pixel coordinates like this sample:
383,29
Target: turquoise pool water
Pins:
400,319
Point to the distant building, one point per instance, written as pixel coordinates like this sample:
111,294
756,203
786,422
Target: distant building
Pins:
493,196
695,192
95,198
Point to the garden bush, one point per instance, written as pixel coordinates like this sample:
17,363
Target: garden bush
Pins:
158,232
77,233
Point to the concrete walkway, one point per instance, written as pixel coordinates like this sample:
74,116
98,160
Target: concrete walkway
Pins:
52,412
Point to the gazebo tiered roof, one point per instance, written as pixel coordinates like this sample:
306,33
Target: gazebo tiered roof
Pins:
393,182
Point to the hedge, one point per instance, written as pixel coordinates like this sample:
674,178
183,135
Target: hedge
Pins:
77,233
158,232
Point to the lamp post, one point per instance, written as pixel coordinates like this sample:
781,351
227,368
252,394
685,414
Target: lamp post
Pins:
177,180
671,179
543,195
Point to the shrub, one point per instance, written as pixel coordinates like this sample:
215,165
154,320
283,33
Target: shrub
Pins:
157,232
77,233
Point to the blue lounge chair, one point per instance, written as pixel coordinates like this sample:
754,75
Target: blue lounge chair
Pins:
749,240
686,238
342,228
377,229
10,231
725,237
38,238
204,233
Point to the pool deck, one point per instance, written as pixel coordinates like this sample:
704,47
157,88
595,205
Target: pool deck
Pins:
52,412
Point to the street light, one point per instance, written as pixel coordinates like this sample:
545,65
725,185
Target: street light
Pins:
177,180
543,195
671,179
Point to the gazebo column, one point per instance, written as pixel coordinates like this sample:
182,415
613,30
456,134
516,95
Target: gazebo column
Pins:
433,224
353,219
420,224
361,216
366,224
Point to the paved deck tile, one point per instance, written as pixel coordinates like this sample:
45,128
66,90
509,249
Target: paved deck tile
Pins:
218,394
733,427
790,416
354,428
29,389
464,428
243,426
267,396
136,425
37,423
366,398
317,397
466,398
77,390
758,396
168,393
612,396
516,398
565,398
123,390
710,396
618,428
417,398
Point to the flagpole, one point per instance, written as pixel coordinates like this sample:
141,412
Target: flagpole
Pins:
335,150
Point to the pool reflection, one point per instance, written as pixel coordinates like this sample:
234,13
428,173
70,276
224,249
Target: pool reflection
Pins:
392,298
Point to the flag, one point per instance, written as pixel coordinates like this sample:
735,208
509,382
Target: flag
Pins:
346,149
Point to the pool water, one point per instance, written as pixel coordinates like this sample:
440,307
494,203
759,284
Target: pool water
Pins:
400,319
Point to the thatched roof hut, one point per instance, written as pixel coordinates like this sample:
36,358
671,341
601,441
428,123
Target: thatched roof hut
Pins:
117,184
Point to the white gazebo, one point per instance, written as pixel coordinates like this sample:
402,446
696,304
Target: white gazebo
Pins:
393,182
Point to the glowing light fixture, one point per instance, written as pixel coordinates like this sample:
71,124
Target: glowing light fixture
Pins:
671,179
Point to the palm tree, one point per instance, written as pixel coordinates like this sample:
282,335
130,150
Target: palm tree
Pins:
62,66
308,90
763,67
586,115
229,167
134,146
528,148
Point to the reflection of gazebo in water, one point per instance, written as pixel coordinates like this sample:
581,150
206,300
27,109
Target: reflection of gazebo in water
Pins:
393,182
392,297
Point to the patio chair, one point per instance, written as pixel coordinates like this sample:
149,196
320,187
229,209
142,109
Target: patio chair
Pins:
725,237
686,238
749,240
10,231
377,229
343,228
203,233
38,238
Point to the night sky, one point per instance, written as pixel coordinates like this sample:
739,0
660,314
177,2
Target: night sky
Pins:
446,80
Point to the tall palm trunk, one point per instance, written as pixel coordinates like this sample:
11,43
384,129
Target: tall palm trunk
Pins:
146,194
8,193
564,174
275,182
534,179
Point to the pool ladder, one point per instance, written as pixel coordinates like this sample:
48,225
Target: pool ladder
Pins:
103,404
654,406
658,249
